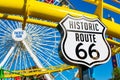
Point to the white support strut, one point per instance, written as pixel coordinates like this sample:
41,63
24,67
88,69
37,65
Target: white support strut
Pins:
35,59
8,55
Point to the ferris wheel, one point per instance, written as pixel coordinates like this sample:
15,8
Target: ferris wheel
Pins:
34,47
38,47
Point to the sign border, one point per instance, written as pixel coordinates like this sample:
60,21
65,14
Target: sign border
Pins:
63,55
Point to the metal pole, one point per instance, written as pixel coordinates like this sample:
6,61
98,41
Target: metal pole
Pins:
80,73
84,73
35,59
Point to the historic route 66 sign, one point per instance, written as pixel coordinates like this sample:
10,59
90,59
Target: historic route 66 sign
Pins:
83,41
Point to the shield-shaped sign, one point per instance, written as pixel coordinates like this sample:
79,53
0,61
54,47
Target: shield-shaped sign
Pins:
83,41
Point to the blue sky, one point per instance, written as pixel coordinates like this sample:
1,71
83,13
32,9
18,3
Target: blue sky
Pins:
101,72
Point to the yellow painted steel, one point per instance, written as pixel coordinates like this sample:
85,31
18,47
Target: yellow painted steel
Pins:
51,12
113,29
29,20
117,1
99,10
39,10
115,49
105,5
39,71
113,42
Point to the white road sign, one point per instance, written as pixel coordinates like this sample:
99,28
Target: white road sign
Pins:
83,41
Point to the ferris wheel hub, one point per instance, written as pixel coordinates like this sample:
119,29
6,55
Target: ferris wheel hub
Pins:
19,34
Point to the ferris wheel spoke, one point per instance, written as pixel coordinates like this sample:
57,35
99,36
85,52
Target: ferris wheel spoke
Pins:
25,61
45,47
58,2
17,25
42,50
36,29
2,49
1,53
52,59
7,56
8,63
11,64
50,39
35,59
3,24
65,78
45,44
4,27
45,29
32,55
10,26
5,39
13,58
2,33
31,31
16,59
29,61
62,76
44,60
44,53
48,54
50,33
53,32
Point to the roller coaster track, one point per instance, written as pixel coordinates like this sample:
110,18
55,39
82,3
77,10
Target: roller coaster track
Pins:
40,10
37,71
46,11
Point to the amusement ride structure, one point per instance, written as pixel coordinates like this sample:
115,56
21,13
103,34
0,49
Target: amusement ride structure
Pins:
36,54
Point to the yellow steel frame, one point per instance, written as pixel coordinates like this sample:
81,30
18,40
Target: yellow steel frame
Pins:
49,15
38,71
105,5
29,20
117,1
52,13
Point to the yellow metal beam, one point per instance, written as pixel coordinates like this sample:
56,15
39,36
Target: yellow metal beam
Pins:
52,12
29,20
117,1
113,42
113,29
115,50
39,10
41,71
105,5
44,23
99,10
